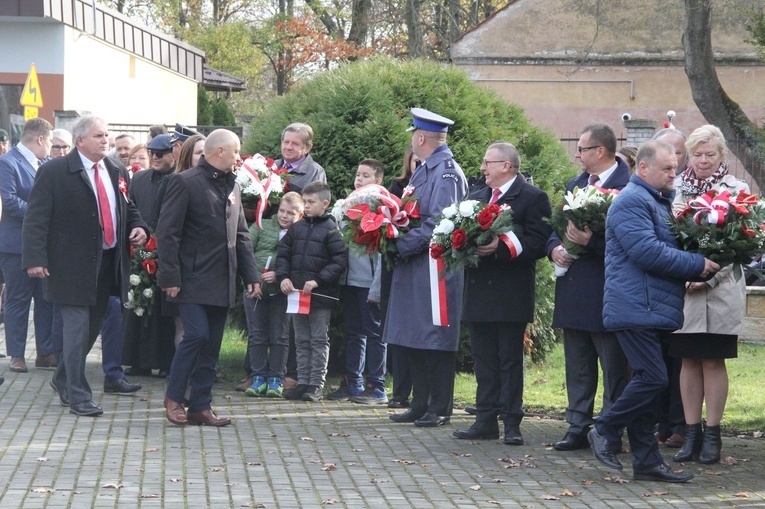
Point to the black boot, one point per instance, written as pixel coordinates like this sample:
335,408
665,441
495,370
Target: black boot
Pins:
710,451
692,446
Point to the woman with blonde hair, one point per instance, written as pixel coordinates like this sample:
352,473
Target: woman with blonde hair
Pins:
714,309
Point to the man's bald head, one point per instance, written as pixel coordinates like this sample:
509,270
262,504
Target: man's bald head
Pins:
222,149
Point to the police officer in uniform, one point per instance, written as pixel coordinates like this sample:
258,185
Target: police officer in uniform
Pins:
432,349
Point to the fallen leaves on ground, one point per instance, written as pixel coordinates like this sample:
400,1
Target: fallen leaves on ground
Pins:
344,435
42,490
741,494
568,493
475,487
331,501
329,467
113,485
403,462
616,479
462,454
307,439
42,458
254,463
729,461
151,495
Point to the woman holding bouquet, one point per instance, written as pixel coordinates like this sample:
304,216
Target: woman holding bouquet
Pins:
713,311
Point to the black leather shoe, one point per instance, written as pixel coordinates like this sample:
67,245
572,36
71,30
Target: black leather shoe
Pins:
408,416
478,431
398,403
602,451
431,420
661,473
120,385
86,409
513,436
471,410
62,399
138,371
571,442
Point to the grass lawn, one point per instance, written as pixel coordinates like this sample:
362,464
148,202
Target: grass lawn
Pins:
545,384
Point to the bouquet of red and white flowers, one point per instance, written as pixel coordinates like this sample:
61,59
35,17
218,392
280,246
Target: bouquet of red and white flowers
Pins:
261,183
465,226
371,219
726,228
143,278
586,207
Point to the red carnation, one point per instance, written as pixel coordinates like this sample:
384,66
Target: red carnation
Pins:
485,219
150,266
151,244
459,238
437,251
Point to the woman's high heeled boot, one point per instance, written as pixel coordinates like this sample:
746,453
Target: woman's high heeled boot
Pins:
710,450
692,446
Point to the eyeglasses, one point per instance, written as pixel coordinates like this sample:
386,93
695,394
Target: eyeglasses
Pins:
581,150
487,163
60,147
159,153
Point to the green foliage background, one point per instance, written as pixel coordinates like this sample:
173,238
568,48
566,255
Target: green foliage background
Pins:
361,110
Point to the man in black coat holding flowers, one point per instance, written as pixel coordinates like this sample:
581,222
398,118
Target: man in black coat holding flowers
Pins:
499,295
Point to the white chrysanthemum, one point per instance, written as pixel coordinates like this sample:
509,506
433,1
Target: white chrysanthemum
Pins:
450,211
148,293
135,279
138,311
467,208
445,226
277,186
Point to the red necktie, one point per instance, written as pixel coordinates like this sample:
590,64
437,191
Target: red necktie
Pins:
592,179
104,210
495,196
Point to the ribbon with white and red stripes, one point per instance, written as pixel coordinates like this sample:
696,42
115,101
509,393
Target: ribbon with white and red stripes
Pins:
438,304
512,243
260,208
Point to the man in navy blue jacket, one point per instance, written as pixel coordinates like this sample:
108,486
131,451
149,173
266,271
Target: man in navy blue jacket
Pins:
643,300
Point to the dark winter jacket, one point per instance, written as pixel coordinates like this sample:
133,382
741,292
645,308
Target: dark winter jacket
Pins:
645,269
313,249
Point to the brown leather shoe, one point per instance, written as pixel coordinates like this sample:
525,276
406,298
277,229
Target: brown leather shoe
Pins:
208,418
18,365
675,441
45,361
175,412
246,383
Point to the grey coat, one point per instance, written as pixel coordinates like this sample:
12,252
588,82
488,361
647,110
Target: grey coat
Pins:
308,171
438,183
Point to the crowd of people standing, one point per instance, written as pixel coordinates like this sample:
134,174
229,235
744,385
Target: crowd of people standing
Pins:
659,321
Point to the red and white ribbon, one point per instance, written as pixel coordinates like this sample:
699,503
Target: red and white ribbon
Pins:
512,243
714,206
262,205
438,303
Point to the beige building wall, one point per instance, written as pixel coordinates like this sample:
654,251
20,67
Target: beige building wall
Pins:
121,87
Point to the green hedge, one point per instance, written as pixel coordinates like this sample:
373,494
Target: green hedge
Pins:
361,110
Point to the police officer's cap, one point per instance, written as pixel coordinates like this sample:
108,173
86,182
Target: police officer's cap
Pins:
161,142
429,121
182,133
4,135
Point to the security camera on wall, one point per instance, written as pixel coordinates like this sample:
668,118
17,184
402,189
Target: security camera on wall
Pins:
626,116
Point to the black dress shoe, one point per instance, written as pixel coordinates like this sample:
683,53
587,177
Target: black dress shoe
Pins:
471,410
478,431
513,436
408,416
602,451
572,442
120,385
138,371
62,399
398,403
86,409
431,420
661,473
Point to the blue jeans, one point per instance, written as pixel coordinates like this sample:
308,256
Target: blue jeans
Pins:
20,289
197,355
364,346
268,335
637,407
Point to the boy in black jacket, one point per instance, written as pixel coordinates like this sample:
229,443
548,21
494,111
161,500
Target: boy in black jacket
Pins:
312,258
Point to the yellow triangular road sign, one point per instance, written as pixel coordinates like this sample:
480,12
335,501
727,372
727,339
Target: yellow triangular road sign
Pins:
32,96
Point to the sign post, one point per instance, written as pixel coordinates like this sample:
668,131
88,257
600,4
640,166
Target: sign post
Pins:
31,96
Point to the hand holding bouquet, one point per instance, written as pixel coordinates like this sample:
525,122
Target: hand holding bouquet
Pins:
465,226
727,229
371,219
585,208
143,278
261,183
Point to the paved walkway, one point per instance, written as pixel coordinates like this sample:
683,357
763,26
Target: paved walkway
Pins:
299,455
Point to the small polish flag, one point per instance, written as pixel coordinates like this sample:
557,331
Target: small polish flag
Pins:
299,303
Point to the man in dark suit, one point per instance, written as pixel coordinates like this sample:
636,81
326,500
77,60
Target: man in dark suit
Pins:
579,296
202,240
17,174
79,224
499,295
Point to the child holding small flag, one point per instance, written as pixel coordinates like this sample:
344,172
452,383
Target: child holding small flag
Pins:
311,261
267,330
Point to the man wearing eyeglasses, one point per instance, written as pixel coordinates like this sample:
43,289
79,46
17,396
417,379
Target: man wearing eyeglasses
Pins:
579,296
148,343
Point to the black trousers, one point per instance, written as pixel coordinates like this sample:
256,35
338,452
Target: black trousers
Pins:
432,373
497,349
